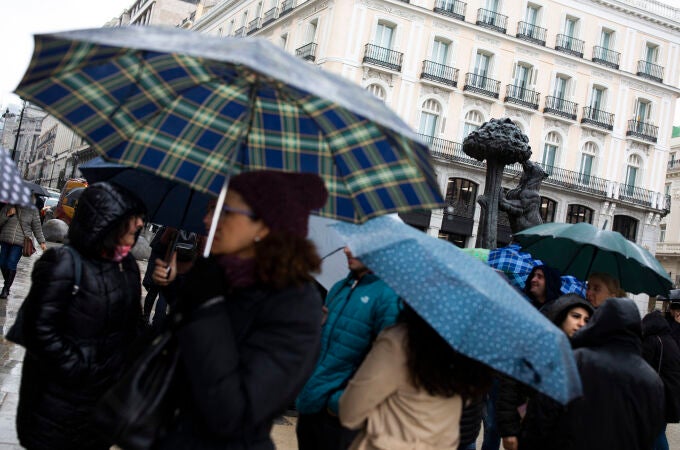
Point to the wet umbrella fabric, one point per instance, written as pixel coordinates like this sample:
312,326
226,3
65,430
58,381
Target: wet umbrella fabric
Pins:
167,203
581,249
13,189
468,304
197,108
37,189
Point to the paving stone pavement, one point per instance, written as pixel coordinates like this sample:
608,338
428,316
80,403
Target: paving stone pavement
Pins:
11,357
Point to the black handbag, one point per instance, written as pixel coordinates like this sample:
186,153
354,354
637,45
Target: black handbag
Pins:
134,410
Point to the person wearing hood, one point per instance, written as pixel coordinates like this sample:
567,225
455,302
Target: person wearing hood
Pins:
660,350
542,287
673,319
623,398
248,318
77,342
541,425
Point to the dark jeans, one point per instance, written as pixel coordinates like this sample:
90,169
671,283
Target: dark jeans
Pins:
10,255
492,438
321,431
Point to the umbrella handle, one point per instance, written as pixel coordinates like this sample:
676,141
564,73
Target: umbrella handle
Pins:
216,217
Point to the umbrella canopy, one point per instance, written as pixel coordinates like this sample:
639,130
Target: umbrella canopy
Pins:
167,202
329,245
515,263
197,108
13,189
37,189
468,304
581,249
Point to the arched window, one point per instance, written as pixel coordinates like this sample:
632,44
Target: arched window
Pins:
473,120
548,208
376,90
579,213
632,175
429,117
461,194
626,225
551,151
588,154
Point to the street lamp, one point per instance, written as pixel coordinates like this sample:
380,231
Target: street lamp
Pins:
54,163
8,115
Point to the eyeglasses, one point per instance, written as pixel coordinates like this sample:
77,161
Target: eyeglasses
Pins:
229,210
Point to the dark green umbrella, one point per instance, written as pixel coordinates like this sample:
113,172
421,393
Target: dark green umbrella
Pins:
581,249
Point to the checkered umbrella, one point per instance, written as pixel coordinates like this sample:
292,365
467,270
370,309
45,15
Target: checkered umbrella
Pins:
197,108
13,189
515,263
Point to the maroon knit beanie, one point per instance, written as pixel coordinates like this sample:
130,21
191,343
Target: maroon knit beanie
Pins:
282,200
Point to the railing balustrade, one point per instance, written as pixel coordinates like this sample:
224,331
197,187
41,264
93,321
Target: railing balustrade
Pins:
597,117
560,107
650,70
492,20
642,130
637,195
522,96
481,85
240,32
568,44
531,33
307,51
439,73
384,57
269,16
451,8
606,57
254,25
286,7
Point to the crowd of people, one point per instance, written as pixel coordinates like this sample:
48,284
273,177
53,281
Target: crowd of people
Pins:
254,336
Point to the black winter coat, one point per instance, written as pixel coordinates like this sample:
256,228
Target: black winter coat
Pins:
76,345
659,347
623,398
471,423
242,363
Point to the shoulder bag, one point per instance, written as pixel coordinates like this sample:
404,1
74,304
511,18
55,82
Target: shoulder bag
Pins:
29,248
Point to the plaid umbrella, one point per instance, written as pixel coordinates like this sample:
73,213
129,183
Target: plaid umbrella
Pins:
13,189
197,108
515,263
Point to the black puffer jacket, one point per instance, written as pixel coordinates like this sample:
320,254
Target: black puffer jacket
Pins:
77,345
243,361
659,347
623,398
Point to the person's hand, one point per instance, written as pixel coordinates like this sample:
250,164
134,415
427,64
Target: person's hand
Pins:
11,211
510,443
43,246
165,273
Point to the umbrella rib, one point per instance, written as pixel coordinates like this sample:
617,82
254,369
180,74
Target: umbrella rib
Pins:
592,261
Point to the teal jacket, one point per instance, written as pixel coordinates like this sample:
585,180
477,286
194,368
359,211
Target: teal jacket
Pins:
357,312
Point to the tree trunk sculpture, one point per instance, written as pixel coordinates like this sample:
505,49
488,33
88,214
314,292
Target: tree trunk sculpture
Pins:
500,142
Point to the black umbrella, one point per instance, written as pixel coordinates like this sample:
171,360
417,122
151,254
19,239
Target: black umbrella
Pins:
37,189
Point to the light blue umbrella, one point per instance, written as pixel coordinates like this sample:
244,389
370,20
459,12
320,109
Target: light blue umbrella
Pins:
468,304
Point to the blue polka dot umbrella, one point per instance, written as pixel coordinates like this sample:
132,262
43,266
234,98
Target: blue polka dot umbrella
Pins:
13,189
468,304
196,109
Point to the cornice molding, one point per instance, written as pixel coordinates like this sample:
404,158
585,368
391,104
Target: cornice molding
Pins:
640,9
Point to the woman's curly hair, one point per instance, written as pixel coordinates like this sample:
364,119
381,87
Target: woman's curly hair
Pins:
283,259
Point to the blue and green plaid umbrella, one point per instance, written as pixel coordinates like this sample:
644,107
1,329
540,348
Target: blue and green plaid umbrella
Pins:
197,108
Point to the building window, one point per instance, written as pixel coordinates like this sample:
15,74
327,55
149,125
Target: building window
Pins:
548,208
311,31
473,120
429,118
384,35
283,41
626,225
551,151
662,232
571,26
579,213
598,97
531,16
562,88
462,195
634,164
588,153
607,39
651,53
523,76
376,90
482,68
440,51
456,239
643,110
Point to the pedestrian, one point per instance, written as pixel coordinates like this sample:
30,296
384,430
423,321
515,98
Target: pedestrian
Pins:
542,287
660,350
248,319
78,340
357,309
540,428
623,398
410,389
16,222
673,319
602,286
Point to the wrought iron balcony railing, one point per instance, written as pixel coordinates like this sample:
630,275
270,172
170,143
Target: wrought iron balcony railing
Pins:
560,107
384,57
286,7
307,51
481,85
254,25
606,57
637,195
240,32
568,44
642,130
440,73
597,117
650,70
521,96
531,33
269,16
492,20
451,8
674,164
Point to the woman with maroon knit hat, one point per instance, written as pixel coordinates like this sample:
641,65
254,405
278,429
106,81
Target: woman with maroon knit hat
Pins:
249,315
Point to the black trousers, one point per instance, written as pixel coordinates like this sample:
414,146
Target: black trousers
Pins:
322,431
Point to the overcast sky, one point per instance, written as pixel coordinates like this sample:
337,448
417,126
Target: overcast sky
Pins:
23,18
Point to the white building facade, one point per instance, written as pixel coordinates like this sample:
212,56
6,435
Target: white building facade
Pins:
593,84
